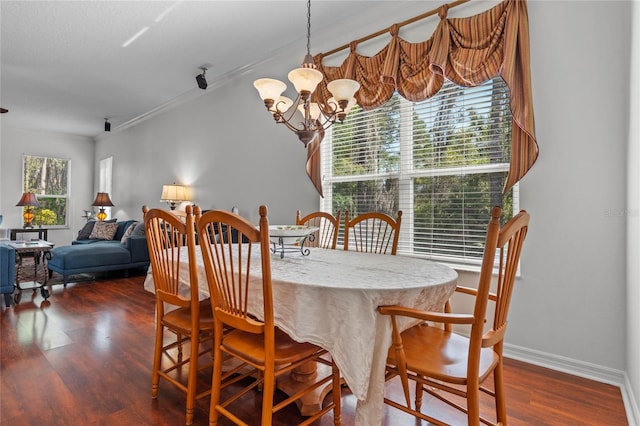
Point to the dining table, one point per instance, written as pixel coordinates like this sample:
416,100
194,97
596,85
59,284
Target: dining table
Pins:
330,298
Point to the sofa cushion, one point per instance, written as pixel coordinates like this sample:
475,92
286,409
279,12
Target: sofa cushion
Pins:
122,228
81,256
7,268
128,232
84,233
139,230
103,231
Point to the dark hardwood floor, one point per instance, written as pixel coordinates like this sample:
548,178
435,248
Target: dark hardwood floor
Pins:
84,358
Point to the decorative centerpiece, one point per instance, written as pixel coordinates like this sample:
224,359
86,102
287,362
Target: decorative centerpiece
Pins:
291,238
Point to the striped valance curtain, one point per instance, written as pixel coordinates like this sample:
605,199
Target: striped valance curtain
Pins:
467,51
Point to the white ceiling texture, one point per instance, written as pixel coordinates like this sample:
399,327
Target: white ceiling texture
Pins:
65,65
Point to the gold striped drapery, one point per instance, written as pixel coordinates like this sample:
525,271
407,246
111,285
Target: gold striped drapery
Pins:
467,51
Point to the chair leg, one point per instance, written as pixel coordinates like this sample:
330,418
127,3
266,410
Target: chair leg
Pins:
418,399
216,380
473,403
501,405
157,359
179,337
267,395
337,394
192,381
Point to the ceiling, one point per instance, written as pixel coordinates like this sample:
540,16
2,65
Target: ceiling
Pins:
64,67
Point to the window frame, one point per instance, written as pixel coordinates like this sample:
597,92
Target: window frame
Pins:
66,196
406,174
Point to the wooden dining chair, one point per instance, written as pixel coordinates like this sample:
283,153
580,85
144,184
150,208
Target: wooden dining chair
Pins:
327,235
372,232
440,359
178,308
263,351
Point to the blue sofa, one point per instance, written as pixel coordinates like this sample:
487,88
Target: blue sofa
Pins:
92,256
7,272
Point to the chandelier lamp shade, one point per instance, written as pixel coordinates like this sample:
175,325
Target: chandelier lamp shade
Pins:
28,201
173,194
102,200
315,117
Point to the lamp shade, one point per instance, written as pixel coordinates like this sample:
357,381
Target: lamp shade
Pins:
269,88
28,199
305,79
102,200
174,193
343,88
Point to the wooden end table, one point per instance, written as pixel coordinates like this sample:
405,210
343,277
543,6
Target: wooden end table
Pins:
40,251
42,232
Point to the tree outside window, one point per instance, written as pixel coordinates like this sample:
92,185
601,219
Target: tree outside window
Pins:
48,178
442,161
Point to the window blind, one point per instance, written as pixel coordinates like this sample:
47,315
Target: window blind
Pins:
442,161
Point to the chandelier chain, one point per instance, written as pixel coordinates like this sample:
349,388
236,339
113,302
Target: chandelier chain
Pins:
308,27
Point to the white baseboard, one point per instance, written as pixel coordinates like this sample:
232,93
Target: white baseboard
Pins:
580,369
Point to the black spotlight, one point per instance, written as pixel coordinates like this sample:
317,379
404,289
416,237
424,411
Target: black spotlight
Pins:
202,82
107,125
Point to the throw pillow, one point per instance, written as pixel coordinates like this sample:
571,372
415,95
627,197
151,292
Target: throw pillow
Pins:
103,231
84,233
128,232
139,230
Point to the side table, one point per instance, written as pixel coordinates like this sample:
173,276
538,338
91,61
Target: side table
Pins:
40,251
42,232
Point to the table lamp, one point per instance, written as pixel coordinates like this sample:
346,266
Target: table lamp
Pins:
173,194
102,200
28,200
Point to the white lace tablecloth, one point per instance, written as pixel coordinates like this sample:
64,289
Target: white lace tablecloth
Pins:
330,297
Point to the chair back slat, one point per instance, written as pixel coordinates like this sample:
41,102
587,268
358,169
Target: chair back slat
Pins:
167,236
510,242
372,232
227,242
327,235
506,244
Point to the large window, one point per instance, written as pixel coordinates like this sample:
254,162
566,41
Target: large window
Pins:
442,161
48,178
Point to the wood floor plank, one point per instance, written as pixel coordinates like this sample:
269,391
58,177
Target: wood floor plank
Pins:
84,358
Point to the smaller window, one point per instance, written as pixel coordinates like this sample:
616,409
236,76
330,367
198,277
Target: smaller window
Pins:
48,178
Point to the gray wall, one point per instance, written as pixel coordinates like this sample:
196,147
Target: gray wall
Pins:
570,307
633,219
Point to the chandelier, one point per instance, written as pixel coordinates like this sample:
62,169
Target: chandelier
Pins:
315,117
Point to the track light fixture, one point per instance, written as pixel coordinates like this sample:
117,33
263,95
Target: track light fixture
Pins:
107,125
202,82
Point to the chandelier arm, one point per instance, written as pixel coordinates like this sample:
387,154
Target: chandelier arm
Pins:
291,111
328,122
291,126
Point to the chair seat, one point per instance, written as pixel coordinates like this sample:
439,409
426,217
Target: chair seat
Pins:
442,355
180,319
251,346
